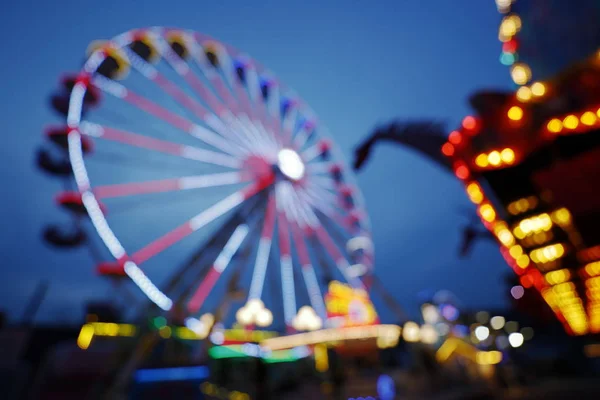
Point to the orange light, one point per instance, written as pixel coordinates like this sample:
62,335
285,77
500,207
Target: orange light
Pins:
508,156
555,125
455,137
448,149
469,123
571,122
588,118
515,113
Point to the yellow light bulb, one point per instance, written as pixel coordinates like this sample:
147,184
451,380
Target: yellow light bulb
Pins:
524,94
508,156
588,118
494,158
482,160
520,73
571,122
538,89
515,113
555,125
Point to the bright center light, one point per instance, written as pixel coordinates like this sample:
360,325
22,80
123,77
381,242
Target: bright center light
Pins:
290,164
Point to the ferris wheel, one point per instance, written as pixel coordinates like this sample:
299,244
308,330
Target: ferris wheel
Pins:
183,148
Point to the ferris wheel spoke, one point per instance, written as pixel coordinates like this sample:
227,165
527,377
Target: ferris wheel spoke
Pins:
220,264
340,260
304,134
195,223
159,145
287,272
312,152
263,252
152,74
166,185
177,121
308,272
319,168
265,123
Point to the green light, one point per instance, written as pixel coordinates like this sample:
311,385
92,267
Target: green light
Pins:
159,322
507,58
235,351
219,352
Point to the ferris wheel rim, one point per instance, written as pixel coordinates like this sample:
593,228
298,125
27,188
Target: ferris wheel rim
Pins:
90,198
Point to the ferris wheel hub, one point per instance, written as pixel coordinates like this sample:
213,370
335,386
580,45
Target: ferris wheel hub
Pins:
290,164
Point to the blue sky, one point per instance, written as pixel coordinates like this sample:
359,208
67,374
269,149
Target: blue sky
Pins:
357,64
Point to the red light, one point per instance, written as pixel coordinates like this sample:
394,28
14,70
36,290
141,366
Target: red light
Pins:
510,46
448,149
455,137
526,281
469,123
462,172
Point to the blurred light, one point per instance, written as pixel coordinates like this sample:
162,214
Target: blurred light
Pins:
562,216
159,322
430,313
515,339
515,251
538,89
449,312
411,332
469,123
264,318
520,73
515,113
428,334
508,156
497,322
386,388
509,27
511,326
455,137
171,374
507,58
165,332
558,276
488,357
448,149
523,261
474,192
503,5
482,160
571,122
494,158
462,172
85,336
487,212
442,328
517,292
290,164
460,330
321,358
548,253
555,125
523,93
482,333
536,223
593,269
527,333
482,317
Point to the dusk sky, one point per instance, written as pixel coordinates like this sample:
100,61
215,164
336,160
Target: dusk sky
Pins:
358,64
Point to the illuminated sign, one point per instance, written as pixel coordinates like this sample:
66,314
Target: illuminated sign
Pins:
347,306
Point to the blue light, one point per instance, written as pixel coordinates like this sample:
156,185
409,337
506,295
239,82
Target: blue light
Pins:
172,374
386,388
507,58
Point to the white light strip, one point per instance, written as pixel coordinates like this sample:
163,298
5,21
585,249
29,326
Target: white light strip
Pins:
99,222
289,292
109,86
202,181
232,245
76,159
260,268
314,292
149,289
216,210
194,153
